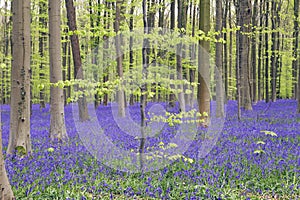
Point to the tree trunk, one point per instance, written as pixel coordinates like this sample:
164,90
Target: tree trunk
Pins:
225,49
68,93
181,25
131,59
230,52
253,52
78,71
267,52
106,23
237,62
5,80
260,59
192,54
273,50
19,138
145,55
42,9
298,110
119,59
295,64
245,18
172,96
64,64
5,189
278,49
57,119
219,58
203,93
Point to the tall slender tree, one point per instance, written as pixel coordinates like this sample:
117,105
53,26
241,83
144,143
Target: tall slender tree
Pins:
6,192
106,23
42,36
19,136
193,53
245,18
237,62
225,46
57,119
254,51
181,27
6,44
143,100
274,50
131,52
219,58
295,63
260,53
78,71
119,58
203,92
172,96
267,97
298,92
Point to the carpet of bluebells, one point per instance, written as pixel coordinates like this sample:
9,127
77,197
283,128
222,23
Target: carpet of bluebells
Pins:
257,157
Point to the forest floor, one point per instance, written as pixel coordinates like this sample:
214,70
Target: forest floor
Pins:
257,157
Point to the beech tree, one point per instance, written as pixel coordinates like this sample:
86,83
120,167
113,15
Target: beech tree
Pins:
203,93
19,136
143,99
179,52
57,119
295,47
42,35
219,66
78,71
119,58
253,51
245,17
5,189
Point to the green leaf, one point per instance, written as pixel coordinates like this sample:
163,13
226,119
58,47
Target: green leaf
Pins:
188,91
41,86
271,133
260,142
2,66
259,151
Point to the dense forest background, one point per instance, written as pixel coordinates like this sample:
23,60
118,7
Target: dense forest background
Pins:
267,31
186,53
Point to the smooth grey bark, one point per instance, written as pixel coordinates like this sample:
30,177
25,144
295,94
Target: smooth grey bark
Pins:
203,91
19,135
119,58
245,18
57,113
6,192
219,59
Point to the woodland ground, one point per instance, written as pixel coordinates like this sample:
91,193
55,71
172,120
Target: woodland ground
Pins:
255,158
